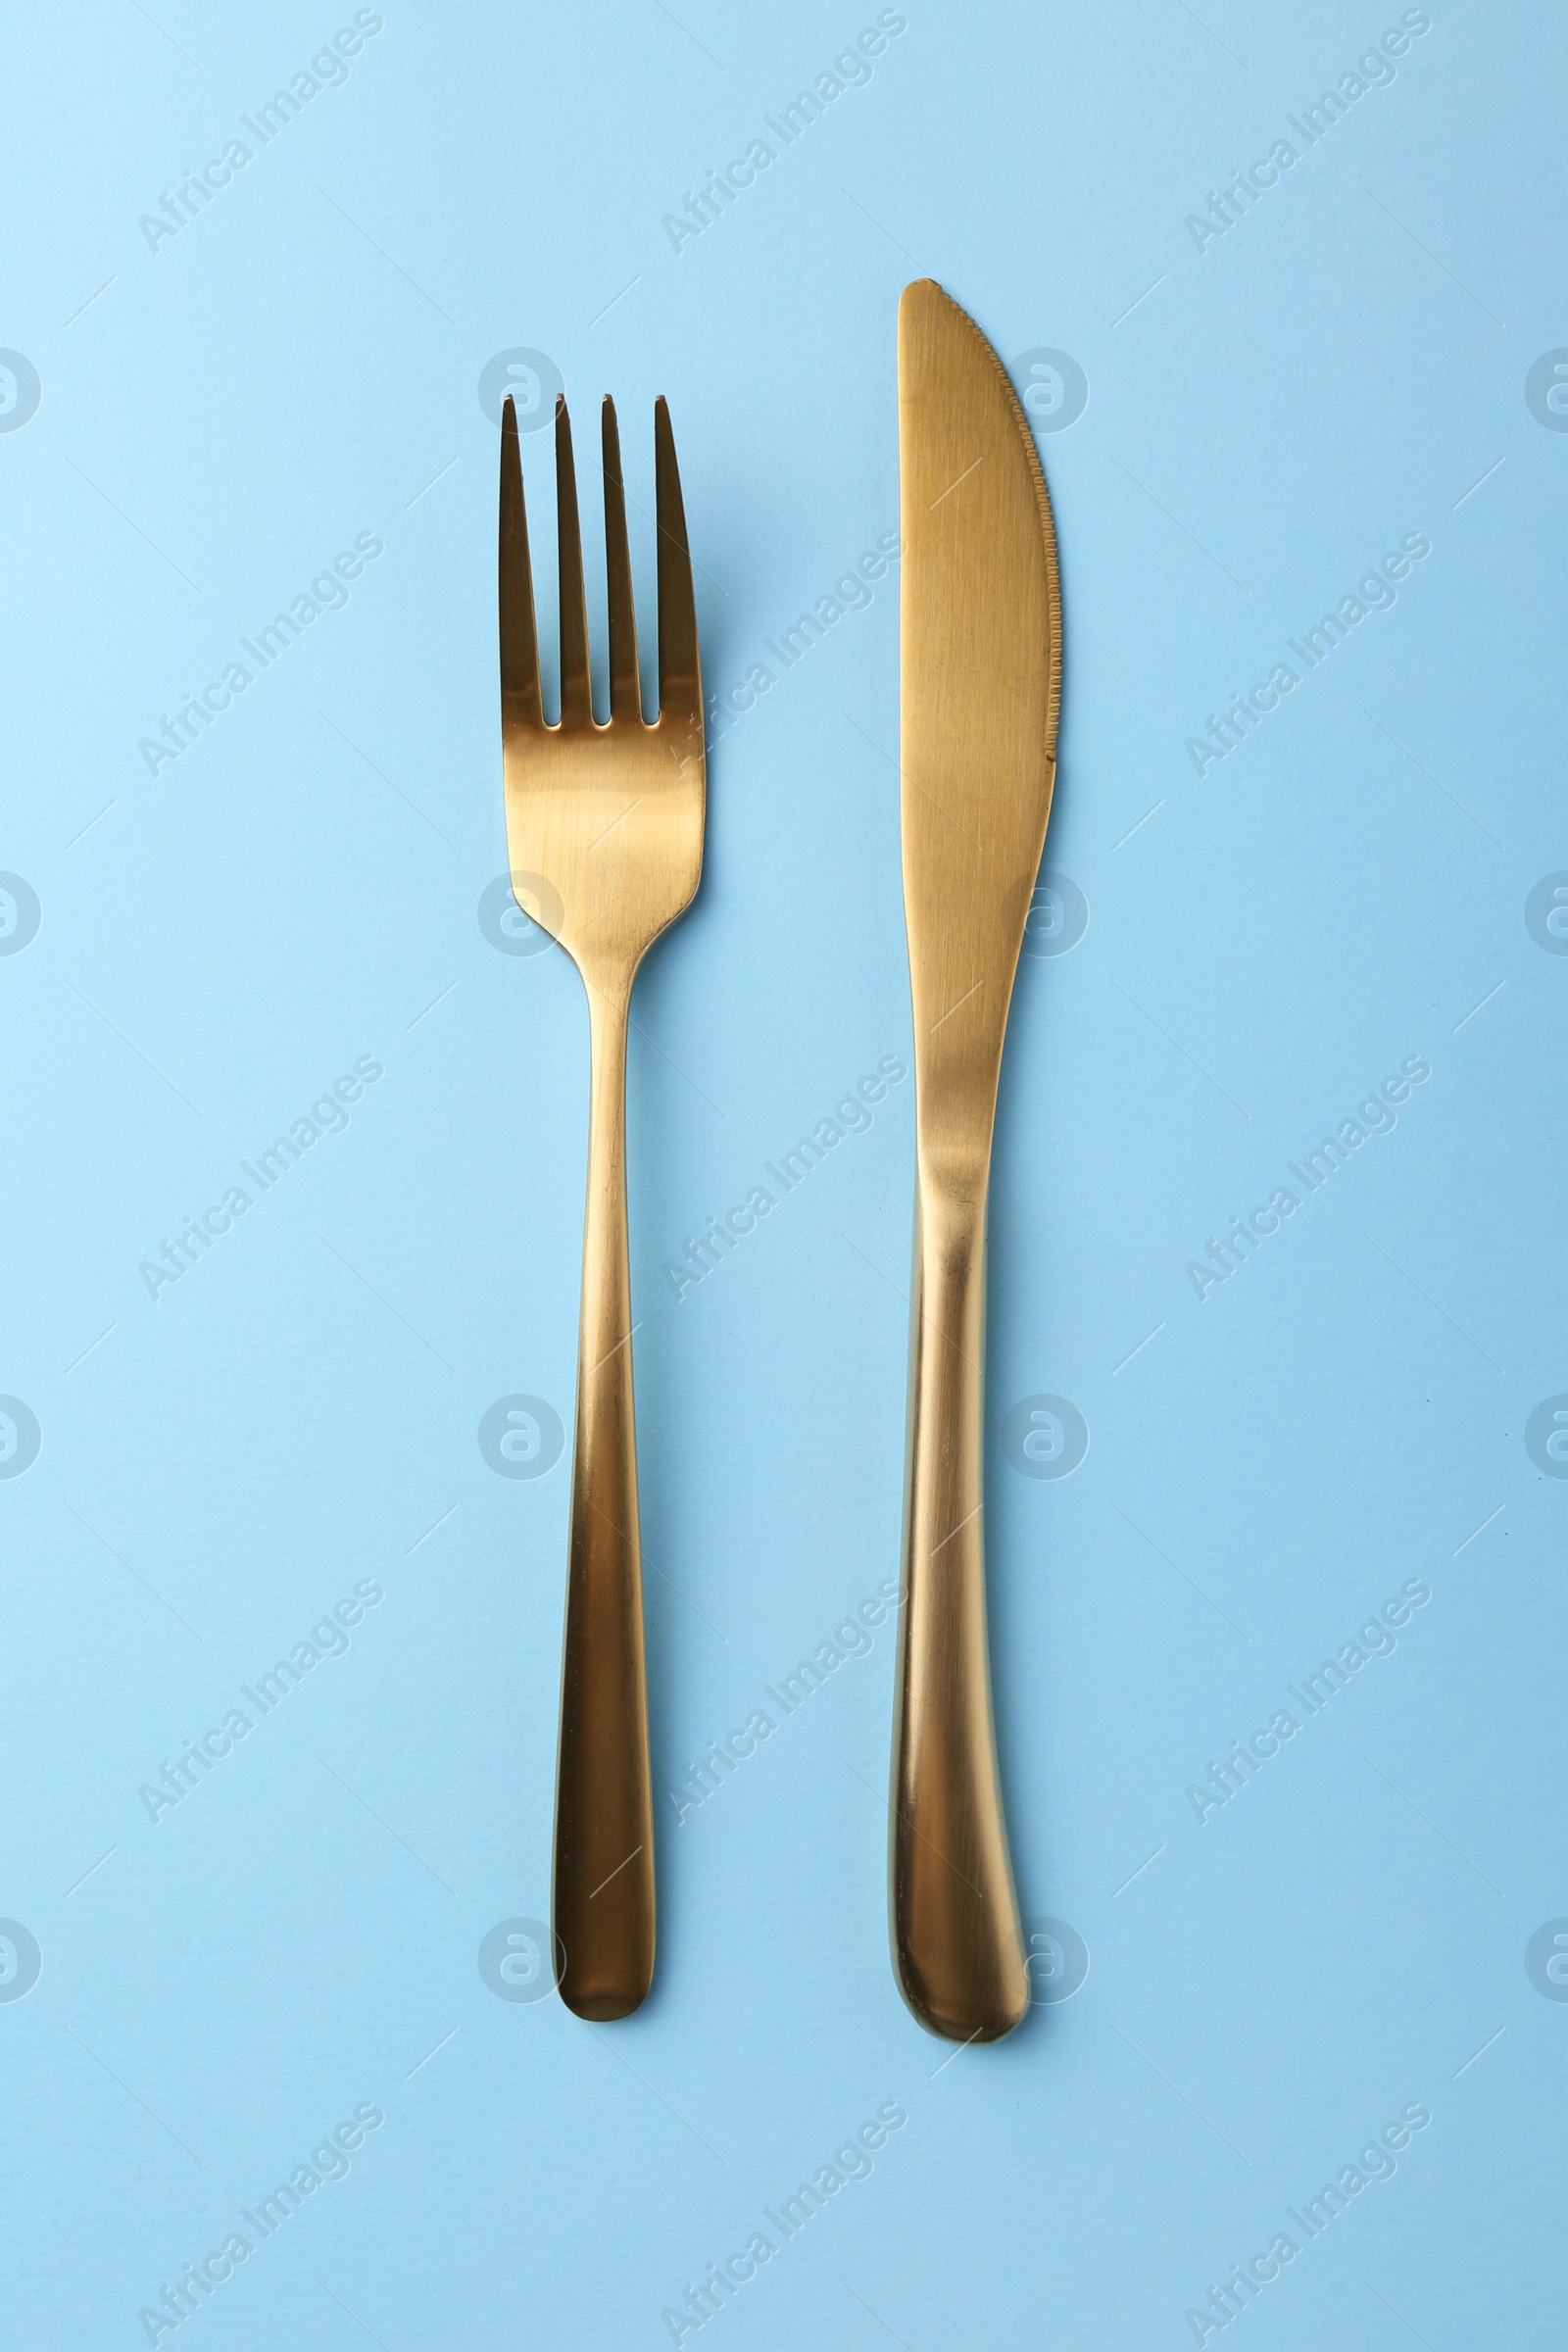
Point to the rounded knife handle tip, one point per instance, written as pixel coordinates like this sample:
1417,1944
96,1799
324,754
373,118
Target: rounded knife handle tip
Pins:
605,1953
974,1987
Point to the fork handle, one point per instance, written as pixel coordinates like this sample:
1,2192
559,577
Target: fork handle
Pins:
957,1947
603,1855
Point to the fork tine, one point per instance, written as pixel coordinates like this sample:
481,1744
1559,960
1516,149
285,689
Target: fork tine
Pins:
680,687
520,704
577,695
625,692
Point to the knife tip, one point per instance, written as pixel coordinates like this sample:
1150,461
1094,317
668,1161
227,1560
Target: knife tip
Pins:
921,290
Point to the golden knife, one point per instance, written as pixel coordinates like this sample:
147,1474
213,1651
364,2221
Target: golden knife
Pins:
981,684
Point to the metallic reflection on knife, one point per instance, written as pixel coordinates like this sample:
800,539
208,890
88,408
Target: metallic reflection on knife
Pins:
981,679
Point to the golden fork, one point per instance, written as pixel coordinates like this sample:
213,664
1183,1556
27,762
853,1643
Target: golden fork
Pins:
605,842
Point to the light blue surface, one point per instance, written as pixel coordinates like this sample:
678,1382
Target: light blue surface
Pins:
295,1419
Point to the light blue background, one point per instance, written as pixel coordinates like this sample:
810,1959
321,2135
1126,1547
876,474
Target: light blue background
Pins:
1265,420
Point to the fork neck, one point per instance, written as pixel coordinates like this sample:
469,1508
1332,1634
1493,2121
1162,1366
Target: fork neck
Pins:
608,1011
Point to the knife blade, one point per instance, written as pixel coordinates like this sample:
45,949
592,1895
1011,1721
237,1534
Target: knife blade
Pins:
980,651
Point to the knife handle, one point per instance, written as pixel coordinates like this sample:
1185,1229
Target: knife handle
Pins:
958,1945
604,1857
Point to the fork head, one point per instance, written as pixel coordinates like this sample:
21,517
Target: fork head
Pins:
603,823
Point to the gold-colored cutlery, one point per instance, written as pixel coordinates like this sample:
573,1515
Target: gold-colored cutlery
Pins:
604,839
605,842
980,650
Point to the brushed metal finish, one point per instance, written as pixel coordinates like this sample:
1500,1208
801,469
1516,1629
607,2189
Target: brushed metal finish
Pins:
605,842
981,668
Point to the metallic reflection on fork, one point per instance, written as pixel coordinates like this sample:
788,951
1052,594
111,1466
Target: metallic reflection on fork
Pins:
605,842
